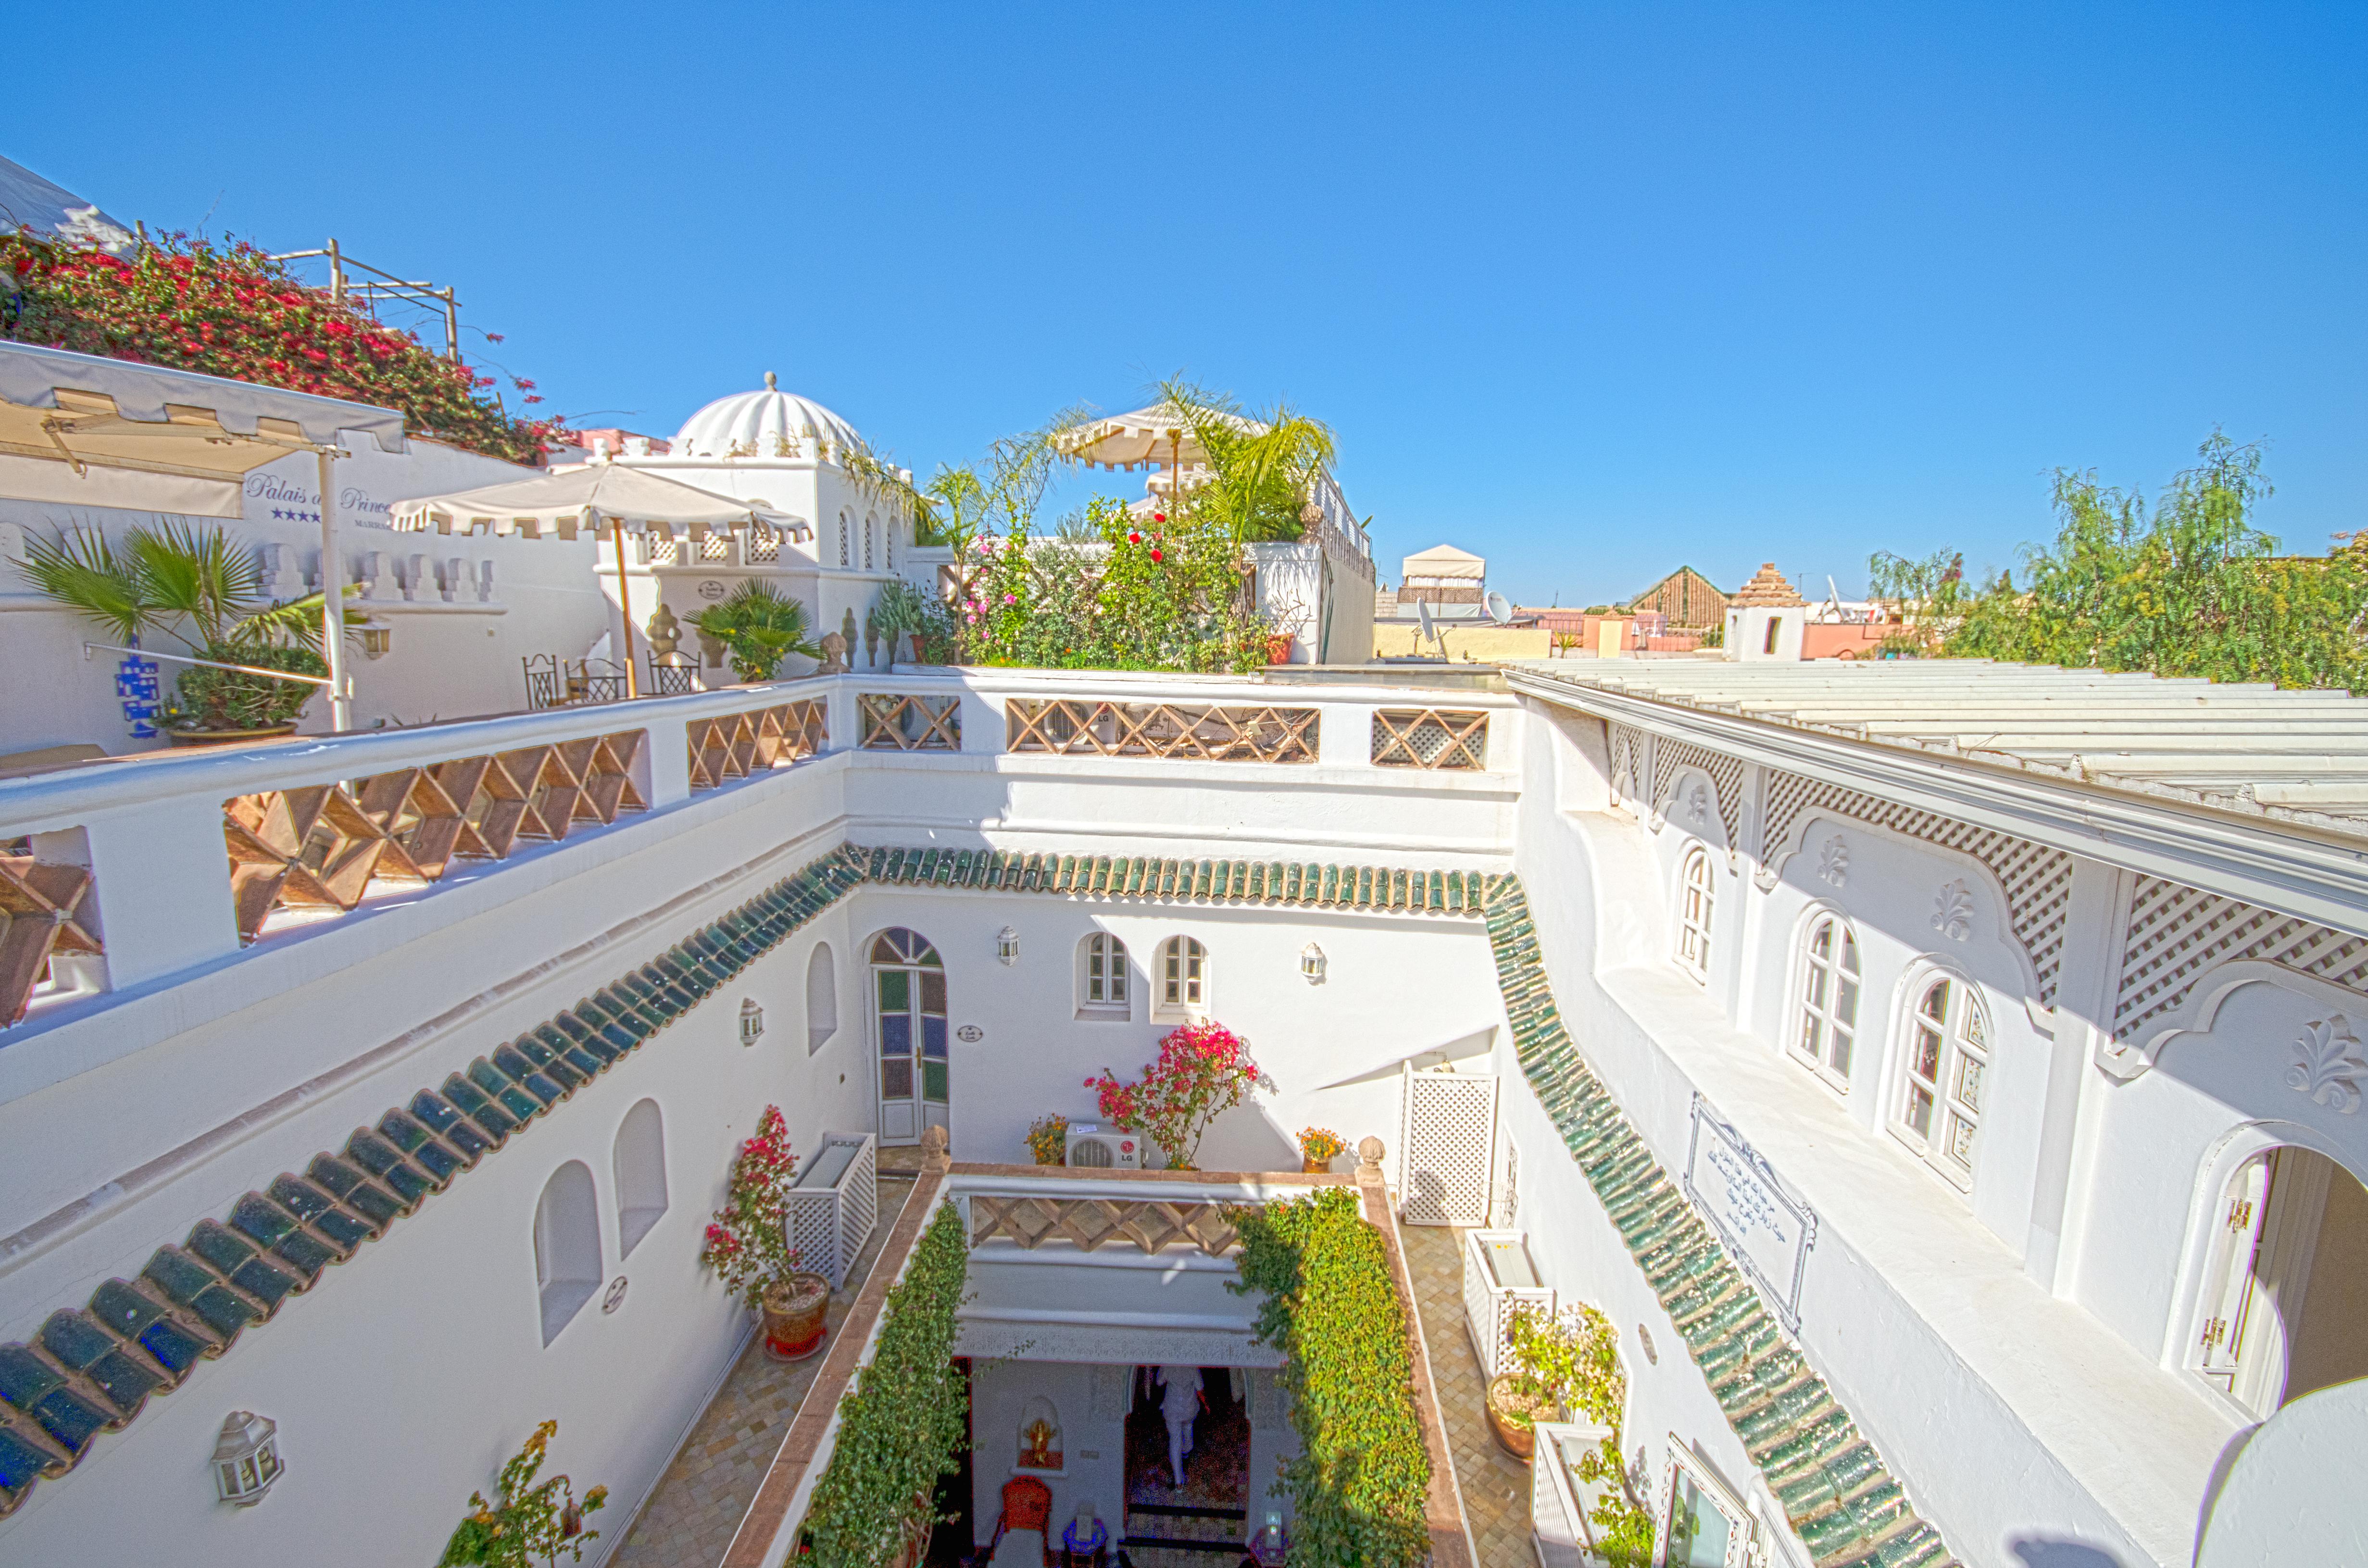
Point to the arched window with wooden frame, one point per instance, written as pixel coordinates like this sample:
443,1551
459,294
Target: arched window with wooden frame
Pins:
1696,899
1943,1075
1183,979
1825,1036
908,994
1102,986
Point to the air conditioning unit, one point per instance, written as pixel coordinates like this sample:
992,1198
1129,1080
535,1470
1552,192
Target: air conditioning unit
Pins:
1089,1146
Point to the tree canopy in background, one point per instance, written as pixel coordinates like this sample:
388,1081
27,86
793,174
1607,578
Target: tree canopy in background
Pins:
230,310
2187,585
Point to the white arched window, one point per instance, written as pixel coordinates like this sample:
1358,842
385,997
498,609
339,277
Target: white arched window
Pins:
1694,900
566,1245
641,1175
845,523
1943,1076
822,998
1183,978
1830,985
1101,977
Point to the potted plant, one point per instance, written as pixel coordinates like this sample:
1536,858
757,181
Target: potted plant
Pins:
759,627
529,1524
749,1245
1557,1358
1278,647
907,615
1203,1070
1048,1139
1318,1147
194,586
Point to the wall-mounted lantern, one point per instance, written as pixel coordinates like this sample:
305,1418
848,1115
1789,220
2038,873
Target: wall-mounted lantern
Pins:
378,638
247,1458
752,1021
1311,964
1007,945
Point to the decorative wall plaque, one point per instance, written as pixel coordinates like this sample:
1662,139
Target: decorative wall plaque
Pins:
970,1034
1767,1232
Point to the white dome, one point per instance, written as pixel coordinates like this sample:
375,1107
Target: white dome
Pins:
766,423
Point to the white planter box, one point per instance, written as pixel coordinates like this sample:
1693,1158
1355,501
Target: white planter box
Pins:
1499,1279
836,1203
1560,1502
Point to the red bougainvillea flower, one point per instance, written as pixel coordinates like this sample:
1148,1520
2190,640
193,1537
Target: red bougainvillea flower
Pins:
1159,517
1134,538
1157,555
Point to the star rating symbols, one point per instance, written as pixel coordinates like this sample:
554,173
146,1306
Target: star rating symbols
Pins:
290,514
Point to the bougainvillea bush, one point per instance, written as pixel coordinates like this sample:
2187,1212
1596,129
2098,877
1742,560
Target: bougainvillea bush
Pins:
1204,1070
230,310
1358,1481
748,1241
532,1522
1120,593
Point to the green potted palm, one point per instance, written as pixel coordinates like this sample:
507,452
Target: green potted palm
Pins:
194,586
759,627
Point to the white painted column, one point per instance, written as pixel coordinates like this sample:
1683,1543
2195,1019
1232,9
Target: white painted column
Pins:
1344,734
160,878
2085,978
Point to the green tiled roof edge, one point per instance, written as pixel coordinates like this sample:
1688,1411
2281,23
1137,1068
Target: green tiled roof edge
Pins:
91,1369
1835,1488
1265,883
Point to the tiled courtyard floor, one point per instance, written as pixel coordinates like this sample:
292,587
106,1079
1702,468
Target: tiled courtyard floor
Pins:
699,1501
1495,1486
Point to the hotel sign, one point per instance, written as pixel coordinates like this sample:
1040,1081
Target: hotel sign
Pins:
1767,1232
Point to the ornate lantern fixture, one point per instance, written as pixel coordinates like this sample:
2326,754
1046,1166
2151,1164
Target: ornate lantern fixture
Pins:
752,1021
1006,946
1311,964
247,1458
378,638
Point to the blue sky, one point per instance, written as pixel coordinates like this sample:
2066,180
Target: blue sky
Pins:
1591,291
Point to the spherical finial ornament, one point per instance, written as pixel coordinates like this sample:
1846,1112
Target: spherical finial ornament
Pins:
1369,1151
933,1142
772,383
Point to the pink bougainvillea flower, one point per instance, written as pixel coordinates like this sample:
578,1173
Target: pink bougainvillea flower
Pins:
1011,599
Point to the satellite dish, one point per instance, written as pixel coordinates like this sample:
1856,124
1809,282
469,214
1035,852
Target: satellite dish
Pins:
1422,618
1499,607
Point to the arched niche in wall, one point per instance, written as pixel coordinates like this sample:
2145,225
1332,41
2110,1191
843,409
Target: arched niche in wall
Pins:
822,998
566,1245
641,1175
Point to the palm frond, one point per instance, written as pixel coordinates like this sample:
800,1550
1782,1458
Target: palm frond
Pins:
82,572
199,572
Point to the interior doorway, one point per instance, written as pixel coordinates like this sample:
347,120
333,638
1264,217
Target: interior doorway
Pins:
1204,1523
2286,1281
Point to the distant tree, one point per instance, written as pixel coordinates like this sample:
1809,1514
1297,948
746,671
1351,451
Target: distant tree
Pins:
2187,587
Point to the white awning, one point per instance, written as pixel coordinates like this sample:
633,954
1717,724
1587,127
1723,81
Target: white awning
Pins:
593,497
1161,434
1443,561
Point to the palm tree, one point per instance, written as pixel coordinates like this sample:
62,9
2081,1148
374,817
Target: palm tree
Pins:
1264,462
173,578
759,627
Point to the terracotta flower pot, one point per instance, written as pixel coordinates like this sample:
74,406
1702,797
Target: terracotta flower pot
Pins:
1314,1166
794,1310
1518,1438
1278,648
225,737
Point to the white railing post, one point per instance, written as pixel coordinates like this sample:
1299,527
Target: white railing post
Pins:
668,752
1344,735
982,723
161,880
843,715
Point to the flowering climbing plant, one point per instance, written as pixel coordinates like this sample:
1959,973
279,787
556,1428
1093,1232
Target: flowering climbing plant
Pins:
747,1240
1203,1070
527,1523
231,310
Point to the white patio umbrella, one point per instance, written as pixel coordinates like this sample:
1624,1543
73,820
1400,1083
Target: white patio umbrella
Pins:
1162,433
616,496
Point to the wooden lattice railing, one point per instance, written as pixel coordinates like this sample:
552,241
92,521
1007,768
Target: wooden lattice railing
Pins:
321,846
892,722
1430,737
1092,1222
1078,726
737,745
40,909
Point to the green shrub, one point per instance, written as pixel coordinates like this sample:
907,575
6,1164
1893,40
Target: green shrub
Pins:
901,1426
1332,1308
225,700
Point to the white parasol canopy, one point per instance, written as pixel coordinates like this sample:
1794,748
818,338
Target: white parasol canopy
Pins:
1162,433
614,494
596,495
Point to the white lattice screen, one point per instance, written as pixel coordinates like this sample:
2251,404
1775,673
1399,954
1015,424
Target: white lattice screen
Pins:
1489,1307
2176,933
1627,762
2038,880
1725,772
828,1225
1446,1142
